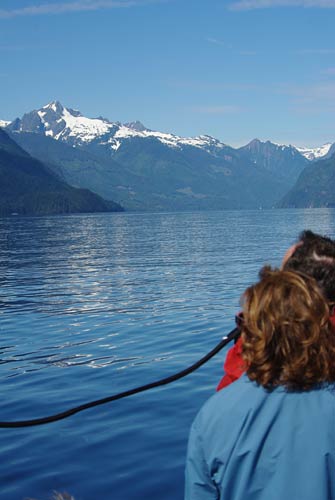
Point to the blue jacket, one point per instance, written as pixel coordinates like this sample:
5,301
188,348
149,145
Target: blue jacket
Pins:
250,444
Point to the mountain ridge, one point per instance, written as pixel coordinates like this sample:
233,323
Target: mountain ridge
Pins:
144,169
63,123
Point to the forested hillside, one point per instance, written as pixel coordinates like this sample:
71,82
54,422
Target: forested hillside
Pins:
27,186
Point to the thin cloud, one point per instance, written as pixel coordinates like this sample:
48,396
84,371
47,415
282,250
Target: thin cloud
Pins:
314,109
267,4
221,43
208,86
216,41
217,110
68,7
248,53
319,52
9,48
310,99
25,47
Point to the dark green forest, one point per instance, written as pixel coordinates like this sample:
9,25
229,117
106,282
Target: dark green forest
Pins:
28,187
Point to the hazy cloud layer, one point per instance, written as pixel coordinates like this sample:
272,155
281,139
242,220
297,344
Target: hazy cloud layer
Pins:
65,7
266,4
315,99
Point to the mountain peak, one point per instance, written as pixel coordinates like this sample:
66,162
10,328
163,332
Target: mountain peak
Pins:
136,125
257,144
254,141
63,123
55,106
254,145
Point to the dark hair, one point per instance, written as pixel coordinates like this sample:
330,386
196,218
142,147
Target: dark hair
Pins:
315,256
286,332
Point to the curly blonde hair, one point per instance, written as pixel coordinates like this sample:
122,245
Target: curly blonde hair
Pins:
286,333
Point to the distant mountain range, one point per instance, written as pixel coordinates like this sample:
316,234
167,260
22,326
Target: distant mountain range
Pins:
28,187
143,169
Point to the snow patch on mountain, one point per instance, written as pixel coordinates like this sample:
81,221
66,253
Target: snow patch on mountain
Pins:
279,144
71,123
86,129
4,123
314,153
174,141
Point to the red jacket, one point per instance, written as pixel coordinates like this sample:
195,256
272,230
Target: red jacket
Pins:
234,365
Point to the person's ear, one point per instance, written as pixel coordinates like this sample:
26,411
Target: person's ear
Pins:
289,252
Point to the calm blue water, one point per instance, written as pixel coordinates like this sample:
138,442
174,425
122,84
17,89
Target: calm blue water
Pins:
93,305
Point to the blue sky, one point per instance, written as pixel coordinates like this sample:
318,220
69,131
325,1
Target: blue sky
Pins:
232,69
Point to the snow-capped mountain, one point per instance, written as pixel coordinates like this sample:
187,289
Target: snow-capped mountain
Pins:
143,169
70,126
315,153
58,122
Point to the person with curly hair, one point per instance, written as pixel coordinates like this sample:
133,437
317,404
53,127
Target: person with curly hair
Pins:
271,434
313,255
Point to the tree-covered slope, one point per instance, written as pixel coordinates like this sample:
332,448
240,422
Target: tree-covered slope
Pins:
282,161
149,170
146,174
314,187
77,167
27,186
193,178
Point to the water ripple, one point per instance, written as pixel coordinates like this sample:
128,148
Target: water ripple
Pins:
91,305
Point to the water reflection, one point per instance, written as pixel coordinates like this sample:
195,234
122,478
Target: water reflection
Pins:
93,305
131,276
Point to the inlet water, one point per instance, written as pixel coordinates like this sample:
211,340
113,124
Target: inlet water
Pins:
92,305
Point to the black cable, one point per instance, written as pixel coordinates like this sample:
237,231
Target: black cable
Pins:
59,416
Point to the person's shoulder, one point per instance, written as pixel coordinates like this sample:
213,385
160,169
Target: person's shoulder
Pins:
234,397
